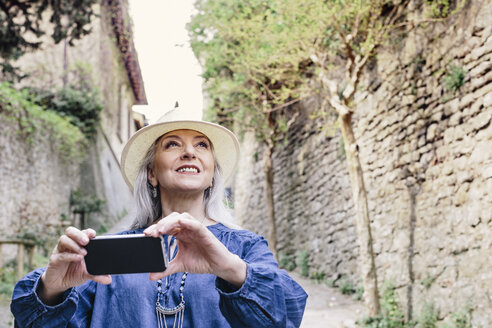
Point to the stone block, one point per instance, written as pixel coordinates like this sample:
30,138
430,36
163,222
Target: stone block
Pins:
461,195
487,100
478,52
479,70
471,263
481,120
451,107
432,132
487,171
455,119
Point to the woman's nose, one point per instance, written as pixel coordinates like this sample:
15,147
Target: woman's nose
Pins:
188,151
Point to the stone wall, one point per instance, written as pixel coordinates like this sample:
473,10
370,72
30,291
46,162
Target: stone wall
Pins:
35,183
99,55
427,158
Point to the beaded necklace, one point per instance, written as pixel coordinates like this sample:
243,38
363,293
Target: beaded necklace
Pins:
177,311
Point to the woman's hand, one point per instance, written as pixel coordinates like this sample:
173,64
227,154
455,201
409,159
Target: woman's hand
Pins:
66,268
199,251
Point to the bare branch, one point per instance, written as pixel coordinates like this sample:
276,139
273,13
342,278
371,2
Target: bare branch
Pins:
284,105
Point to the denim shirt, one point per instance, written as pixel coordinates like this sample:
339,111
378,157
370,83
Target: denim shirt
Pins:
268,298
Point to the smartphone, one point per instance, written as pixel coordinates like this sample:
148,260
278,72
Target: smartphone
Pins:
119,254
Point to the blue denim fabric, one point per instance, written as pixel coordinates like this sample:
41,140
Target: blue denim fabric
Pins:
268,297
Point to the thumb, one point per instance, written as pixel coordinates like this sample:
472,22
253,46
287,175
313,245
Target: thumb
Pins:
102,279
171,268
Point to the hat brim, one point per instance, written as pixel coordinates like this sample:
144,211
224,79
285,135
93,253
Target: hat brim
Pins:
224,142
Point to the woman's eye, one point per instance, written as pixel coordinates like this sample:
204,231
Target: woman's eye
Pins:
170,144
203,144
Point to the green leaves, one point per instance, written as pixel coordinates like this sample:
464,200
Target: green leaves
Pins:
260,56
455,78
22,26
84,203
33,119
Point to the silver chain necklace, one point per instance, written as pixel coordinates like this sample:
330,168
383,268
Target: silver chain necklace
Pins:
161,310
177,311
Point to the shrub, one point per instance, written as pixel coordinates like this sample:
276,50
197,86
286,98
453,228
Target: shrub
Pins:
286,261
391,315
454,78
17,106
302,262
80,104
428,318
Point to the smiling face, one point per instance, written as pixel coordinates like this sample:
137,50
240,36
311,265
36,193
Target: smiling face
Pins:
183,163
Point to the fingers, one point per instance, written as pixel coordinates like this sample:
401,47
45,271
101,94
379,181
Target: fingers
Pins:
169,271
81,237
172,225
157,275
67,244
91,233
65,257
102,279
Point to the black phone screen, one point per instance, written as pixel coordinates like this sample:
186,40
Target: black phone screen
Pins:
118,254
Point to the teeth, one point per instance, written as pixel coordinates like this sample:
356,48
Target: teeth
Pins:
188,169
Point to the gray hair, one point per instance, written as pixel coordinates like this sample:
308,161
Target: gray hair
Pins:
148,209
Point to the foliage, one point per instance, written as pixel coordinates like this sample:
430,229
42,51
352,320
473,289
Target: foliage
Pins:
427,281
84,205
8,274
286,261
359,292
22,26
391,315
428,317
81,203
346,287
246,75
79,101
259,55
461,319
319,277
8,278
82,106
302,262
437,8
454,78
33,119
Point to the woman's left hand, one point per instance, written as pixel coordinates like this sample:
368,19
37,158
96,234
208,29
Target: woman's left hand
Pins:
199,251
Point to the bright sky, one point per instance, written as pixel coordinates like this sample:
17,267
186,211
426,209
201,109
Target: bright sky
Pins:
169,68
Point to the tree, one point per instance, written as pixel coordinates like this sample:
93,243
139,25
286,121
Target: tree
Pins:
280,41
263,55
243,78
22,24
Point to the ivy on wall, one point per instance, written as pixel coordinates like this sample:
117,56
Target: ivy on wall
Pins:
80,105
33,119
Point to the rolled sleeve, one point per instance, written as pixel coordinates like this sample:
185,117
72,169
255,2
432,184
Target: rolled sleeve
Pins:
30,311
269,297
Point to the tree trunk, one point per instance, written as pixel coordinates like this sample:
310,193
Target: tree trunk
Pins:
268,170
363,224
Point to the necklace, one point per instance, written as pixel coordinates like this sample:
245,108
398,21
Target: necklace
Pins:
178,310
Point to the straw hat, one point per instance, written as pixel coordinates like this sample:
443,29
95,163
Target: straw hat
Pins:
225,144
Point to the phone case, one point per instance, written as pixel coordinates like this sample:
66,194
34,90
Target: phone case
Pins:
120,254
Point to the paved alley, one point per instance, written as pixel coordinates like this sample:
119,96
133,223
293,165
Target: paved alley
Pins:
327,307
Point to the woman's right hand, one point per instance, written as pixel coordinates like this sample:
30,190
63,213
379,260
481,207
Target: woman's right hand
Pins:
66,268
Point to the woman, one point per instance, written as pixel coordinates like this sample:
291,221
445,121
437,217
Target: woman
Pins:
218,276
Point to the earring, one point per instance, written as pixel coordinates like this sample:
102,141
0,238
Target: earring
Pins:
154,192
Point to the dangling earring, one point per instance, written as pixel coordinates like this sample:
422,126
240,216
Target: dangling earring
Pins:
154,192
206,194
